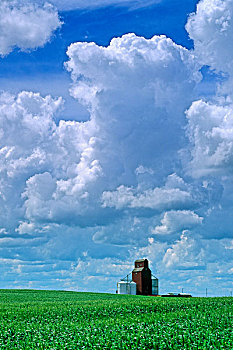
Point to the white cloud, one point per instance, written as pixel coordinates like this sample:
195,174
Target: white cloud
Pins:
26,25
54,162
101,267
168,69
157,198
184,253
136,90
211,28
191,252
210,131
176,221
26,227
142,170
175,181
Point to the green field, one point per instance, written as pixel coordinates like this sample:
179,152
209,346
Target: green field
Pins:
68,320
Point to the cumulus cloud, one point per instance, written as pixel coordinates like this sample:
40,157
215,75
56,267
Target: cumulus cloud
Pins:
26,25
175,221
185,252
209,127
211,29
210,132
157,198
189,252
47,163
61,170
136,90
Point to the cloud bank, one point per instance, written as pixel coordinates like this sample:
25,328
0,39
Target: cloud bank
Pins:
149,174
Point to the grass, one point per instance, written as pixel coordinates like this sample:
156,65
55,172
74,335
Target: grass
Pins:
67,320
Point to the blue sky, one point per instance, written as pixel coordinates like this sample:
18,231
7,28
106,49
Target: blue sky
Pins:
116,146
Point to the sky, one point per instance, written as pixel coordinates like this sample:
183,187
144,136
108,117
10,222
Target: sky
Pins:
116,132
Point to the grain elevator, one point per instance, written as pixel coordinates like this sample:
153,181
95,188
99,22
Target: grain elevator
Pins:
142,281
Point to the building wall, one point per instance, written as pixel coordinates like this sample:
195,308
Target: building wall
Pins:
137,278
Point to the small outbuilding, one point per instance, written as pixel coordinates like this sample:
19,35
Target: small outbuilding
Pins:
177,295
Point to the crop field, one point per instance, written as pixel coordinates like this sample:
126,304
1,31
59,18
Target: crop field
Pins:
68,320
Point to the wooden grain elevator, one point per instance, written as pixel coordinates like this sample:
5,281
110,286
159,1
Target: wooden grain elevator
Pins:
141,275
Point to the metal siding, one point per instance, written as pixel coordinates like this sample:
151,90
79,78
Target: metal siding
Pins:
126,288
133,288
155,286
122,287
